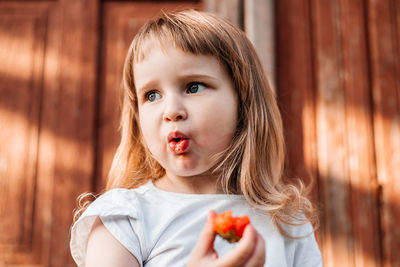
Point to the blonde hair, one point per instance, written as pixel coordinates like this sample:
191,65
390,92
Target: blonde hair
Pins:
253,164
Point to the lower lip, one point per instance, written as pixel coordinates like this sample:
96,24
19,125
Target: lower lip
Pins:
179,147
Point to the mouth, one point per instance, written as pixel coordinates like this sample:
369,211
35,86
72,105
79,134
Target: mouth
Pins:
178,143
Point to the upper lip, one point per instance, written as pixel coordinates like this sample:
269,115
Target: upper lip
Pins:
176,135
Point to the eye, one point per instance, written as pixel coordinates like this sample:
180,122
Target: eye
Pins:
152,96
195,87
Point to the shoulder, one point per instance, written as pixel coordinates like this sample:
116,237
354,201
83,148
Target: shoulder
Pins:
105,250
298,231
117,201
119,211
302,247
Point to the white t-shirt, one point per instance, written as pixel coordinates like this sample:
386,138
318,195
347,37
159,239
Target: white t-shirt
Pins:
161,228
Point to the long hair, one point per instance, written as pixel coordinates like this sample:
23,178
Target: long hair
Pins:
253,163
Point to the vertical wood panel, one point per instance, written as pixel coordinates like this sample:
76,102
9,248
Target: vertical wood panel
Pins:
355,56
359,134
228,9
47,140
47,93
19,120
336,76
23,33
331,142
384,36
295,92
295,88
259,25
73,125
345,143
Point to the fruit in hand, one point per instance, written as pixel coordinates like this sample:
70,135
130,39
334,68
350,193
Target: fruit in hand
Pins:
230,228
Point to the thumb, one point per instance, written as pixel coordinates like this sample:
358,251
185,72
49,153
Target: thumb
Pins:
243,251
205,244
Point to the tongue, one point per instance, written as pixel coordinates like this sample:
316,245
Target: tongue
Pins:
179,146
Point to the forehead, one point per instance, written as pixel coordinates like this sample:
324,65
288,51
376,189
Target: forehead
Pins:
166,63
145,46
154,48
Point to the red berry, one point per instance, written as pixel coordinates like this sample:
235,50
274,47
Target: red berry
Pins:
230,228
240,225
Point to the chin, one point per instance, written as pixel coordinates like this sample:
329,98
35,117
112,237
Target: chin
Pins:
187,172
187,167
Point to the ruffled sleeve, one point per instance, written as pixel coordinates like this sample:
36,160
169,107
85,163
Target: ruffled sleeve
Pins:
118,210
303,250
307,253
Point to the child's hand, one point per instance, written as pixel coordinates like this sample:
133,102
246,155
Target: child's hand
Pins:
249,252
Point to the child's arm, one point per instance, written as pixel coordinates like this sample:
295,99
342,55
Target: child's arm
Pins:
104,250
249,252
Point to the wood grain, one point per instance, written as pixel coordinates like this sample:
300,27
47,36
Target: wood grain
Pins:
359,134
48,87
384,45
323,85
23,30
259,24
228,9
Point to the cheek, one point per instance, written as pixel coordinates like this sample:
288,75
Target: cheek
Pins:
148,131
222,134
219,128
144,127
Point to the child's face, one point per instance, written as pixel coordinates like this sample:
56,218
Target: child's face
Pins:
187,109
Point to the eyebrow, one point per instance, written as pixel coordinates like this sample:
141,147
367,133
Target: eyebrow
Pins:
147,86
187,77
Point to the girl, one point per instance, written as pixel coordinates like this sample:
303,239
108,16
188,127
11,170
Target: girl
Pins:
201,132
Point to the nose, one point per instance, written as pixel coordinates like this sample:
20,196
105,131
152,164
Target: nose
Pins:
174,109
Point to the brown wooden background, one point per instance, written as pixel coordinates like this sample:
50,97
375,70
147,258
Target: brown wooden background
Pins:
335,65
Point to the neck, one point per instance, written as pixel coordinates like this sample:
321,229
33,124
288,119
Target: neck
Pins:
198,184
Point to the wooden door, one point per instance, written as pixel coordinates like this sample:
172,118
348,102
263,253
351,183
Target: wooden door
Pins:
47,70
338,87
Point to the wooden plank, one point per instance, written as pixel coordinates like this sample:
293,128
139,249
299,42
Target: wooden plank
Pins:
228,9
295,92
349,221
259,25
346,154
23,37
359,134
331,139
384,36
47,139
16,78
295,89
72,126
62,104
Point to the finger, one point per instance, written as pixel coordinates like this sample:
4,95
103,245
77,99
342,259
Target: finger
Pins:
205,244
243,251
257,259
